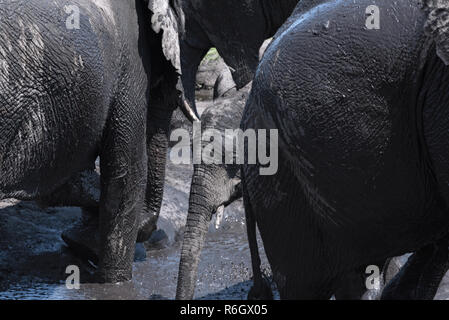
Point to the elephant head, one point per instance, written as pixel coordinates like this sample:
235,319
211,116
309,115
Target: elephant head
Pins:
236,28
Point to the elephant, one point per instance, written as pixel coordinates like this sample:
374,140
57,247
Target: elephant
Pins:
362,142
235,28
83,189
189,29
214,186
81,79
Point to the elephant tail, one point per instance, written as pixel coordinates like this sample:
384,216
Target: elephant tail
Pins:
261,289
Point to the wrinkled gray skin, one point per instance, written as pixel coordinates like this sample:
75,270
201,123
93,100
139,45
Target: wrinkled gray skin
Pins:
83,189
363,139
213,187
421,276
68,96
236,28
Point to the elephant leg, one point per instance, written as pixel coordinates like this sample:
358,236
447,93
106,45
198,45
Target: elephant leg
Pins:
156,152
164,99
351,286
83,236
83,190
261,289
123,169
420,277
310,287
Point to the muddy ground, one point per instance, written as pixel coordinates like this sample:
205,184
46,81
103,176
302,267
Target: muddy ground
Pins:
33,258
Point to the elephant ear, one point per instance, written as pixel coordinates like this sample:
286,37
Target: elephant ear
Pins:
164,19
437,26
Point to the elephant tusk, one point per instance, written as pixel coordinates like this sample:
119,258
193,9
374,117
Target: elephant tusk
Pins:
220,213
189,112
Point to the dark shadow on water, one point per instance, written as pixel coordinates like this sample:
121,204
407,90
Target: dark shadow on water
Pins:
31,249
237,291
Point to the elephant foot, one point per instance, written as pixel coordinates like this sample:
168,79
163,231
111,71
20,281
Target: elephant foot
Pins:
107,275
158,240
261,290
83,239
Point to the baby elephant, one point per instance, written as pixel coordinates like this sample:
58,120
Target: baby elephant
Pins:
214,186
73,86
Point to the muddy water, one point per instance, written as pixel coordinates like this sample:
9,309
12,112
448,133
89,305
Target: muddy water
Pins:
221,277
34,258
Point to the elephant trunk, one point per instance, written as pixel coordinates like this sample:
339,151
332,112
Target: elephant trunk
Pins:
164,100
191,58
201,208
156,150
